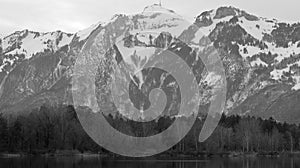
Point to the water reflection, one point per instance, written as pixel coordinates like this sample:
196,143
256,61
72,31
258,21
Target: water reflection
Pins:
96,162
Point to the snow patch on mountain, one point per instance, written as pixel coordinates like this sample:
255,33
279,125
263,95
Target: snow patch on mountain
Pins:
84,34
66,40
135,56
297,85
158,19
258,62
257,28
276,74
284,52
25,44
271,47
206,30
30,46
157,8
280,54
247,51
30,43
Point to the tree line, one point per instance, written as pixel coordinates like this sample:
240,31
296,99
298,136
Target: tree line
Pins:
51,128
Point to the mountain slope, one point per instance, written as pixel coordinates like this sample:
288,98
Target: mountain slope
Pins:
261,58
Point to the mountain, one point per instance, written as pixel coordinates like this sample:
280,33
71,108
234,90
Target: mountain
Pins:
263,62
261,59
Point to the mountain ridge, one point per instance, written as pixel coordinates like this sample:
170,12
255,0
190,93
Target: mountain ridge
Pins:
261,57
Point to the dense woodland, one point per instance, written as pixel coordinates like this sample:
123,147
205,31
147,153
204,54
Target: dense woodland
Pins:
48,129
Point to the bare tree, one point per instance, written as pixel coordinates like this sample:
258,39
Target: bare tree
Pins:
247,131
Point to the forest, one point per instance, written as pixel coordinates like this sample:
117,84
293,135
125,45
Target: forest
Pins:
51,128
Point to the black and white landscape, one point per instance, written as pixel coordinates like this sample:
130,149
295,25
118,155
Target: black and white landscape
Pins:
261,57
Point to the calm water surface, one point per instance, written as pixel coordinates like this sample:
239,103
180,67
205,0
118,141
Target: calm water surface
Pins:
93,162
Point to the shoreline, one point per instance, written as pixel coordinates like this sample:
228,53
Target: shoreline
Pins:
71,153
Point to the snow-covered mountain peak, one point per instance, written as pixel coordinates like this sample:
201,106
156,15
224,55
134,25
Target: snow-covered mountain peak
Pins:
253,25
159,19
153,17
224,12
157,8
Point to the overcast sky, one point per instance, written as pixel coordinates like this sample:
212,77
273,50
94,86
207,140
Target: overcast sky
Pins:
74,15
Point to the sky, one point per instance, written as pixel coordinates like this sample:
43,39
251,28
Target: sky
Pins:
74,15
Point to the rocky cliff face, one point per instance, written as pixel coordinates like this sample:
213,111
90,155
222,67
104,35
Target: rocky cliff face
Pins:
260,56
